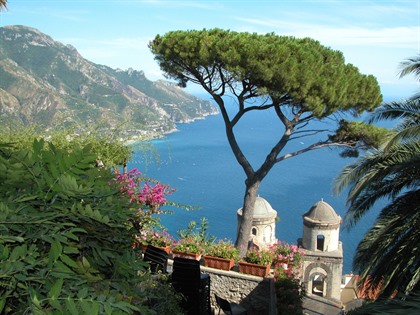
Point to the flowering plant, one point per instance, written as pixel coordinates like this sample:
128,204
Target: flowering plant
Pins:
259,257
144,194
152,194
155,238
223,249
289,292
189,245
283,252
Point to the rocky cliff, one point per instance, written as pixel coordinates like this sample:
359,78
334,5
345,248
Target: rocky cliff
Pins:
47,83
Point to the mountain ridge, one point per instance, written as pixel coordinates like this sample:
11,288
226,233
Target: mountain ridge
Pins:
47,83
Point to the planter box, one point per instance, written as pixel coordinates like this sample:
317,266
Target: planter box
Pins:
218,263
176,253
167,249
253,269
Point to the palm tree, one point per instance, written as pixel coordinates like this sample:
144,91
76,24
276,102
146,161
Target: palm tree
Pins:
3,4
389,254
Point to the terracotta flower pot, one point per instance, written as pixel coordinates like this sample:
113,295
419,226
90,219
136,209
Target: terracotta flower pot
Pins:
179,254
254,269
218,263
167,249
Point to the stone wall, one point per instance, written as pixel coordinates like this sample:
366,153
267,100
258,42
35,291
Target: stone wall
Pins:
255,294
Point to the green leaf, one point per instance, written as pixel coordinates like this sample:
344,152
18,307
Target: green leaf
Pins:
55,251
61,270
71,306
126,306
25,198
17,252
3,303
86,306
34,298
11,239
107,308
70,250
95,308
68,261
5,252
85,263
82,293
56,304
55,290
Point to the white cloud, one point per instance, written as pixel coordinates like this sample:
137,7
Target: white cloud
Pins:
395,37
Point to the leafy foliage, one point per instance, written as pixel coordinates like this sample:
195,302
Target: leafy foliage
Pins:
258,256
289,293
388,255
359,134
409,305
107,146
223,249
65,235
199,233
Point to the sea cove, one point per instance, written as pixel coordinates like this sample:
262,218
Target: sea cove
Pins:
198,163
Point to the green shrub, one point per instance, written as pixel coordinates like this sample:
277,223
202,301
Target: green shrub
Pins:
65,236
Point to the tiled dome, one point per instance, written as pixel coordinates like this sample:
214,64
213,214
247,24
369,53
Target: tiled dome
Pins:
262,209
322,212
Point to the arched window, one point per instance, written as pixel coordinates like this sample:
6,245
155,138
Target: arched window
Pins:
254,231
320,240
318,285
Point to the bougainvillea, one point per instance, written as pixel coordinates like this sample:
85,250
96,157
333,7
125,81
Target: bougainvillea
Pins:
152,194
146,195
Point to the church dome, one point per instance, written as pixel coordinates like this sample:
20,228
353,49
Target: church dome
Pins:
322,213
262,209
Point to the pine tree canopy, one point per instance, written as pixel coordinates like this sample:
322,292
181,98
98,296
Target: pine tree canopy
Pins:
293,71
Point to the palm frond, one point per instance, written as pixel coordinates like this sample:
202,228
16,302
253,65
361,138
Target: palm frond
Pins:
406,109
380,175
402,304
389,254
388,257
411,65
405,132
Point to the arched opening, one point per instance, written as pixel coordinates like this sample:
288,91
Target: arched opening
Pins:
320,240
318,285
254,231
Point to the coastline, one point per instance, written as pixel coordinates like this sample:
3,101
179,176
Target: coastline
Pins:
150,135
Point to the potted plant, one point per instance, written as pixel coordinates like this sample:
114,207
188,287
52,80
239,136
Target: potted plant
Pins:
188,247
256,262
160,238
286,255
221,255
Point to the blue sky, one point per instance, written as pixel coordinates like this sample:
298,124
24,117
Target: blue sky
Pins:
375,36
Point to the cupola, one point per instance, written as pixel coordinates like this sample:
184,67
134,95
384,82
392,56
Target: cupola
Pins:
263,231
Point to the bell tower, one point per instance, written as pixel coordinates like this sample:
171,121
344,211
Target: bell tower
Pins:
323,260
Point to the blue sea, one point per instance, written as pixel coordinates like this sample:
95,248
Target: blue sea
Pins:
197,161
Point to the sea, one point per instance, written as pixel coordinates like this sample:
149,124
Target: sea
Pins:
198,163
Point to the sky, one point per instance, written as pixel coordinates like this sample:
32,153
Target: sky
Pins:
375,36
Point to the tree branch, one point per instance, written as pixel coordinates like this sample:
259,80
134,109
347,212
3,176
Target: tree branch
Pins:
315,146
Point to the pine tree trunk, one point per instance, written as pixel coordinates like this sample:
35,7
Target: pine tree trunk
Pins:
244,228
